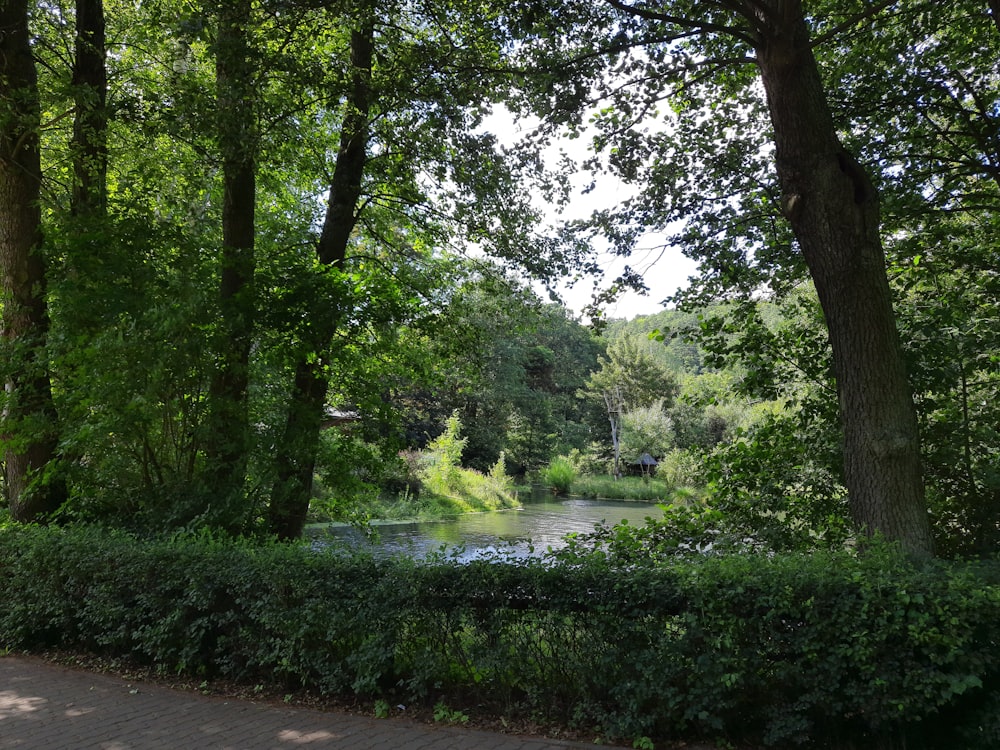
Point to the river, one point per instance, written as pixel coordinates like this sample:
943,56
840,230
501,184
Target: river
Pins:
524,532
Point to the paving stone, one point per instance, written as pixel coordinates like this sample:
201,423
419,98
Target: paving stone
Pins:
47,707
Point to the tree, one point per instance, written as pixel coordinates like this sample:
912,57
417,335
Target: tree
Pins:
202,320
695,52
29,430
408,165
628,379
90,124
630,368
948,291
509,364
227,443
939,177
937,104
201,317
297,451
647,429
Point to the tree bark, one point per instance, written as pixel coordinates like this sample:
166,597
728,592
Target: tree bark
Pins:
615,406
296,456
834,211
227,441
29,425
90,125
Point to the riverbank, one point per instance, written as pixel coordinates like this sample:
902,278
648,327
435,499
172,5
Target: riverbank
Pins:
431,498
528,531
626,489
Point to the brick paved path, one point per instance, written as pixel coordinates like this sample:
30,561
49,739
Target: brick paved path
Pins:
47,707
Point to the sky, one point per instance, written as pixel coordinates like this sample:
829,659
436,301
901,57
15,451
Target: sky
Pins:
664,268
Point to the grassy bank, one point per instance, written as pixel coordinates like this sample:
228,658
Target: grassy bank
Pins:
605,487
429,494
649,490
676,479
479,496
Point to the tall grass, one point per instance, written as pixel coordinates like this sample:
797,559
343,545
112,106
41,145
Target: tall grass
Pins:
559,475
645,489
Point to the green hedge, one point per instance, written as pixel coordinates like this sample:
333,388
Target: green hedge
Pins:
818,650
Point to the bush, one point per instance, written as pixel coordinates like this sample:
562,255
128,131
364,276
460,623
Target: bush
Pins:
559,475
778,484
596,459
827,650
442,461
682,468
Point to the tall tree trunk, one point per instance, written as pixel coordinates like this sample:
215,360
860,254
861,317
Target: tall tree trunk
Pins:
88,154
29,433
228,434
834,211
90,125
296,459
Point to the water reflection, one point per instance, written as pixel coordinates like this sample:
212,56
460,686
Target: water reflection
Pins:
525,532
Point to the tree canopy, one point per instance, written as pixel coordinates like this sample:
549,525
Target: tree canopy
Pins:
222,221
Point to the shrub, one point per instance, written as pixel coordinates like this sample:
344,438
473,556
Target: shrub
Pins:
559,475
681,468
498,486
777,483
596,459
441,471
823,650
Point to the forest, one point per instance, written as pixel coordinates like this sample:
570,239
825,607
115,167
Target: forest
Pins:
224,223
264,263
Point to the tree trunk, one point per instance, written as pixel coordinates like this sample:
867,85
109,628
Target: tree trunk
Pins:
296,456
228,436
29,432
90,125
834,211
615,406
297,452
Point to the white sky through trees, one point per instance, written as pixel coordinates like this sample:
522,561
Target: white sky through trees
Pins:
664,268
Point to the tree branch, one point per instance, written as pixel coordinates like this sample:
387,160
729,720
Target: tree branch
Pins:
758,18
844,25
704,27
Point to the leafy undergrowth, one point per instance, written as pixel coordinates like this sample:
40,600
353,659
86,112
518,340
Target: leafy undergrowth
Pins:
439,491
822,650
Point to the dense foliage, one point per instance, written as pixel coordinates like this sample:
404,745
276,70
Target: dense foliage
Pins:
823,650
263,263
246,214
227,221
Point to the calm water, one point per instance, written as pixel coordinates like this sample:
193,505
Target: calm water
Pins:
524,532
